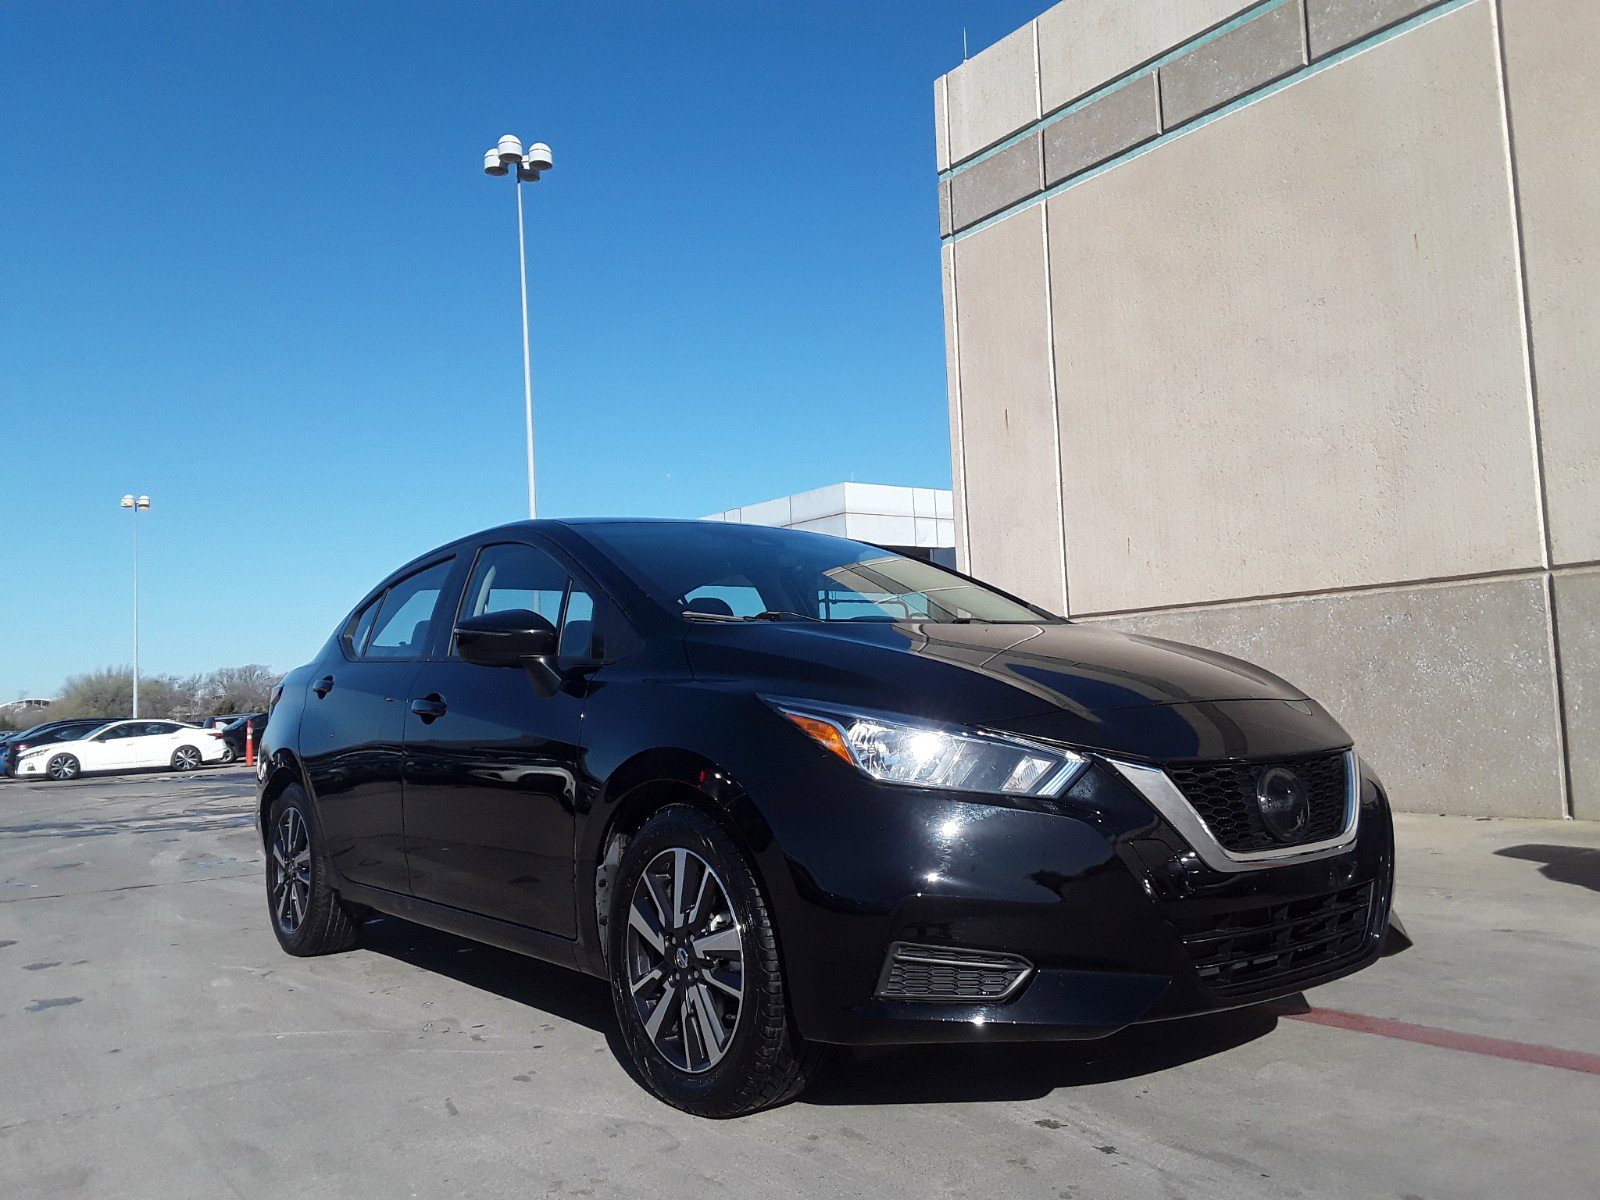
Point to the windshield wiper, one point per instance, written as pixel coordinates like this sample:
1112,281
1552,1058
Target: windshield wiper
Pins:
779,615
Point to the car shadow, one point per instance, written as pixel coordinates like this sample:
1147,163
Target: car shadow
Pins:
873,1075
1577,865
570,995
1031,1070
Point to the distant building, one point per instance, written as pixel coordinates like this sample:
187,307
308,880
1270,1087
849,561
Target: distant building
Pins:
917,522
25,705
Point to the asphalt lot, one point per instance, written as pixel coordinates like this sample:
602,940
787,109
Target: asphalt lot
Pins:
154,1041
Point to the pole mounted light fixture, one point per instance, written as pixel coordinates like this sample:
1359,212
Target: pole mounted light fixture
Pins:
501,159
138,504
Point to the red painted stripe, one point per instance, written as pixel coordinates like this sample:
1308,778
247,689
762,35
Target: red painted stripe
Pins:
1449,1039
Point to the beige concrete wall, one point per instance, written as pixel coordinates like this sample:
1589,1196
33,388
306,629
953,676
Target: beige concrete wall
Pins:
1007,401
993,95
1084,44
1315,353
1577,603
1284,271
1552,50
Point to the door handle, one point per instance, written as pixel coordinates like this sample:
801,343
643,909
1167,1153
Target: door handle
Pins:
323,686
430,707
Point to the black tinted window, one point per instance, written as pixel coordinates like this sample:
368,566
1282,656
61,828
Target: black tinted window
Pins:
513,575
356,633
405,615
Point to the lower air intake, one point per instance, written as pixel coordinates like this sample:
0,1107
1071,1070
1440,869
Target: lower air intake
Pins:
949,975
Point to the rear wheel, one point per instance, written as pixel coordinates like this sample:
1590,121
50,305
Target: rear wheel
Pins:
695,973
307,915
228,753
63,767
186,758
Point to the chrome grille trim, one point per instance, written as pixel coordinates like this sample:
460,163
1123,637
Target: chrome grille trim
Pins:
1156,786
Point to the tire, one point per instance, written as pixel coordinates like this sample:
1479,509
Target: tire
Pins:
307,915
186,758
63,767
228,754
763,1061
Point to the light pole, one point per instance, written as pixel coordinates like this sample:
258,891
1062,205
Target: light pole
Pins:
136,504
499,161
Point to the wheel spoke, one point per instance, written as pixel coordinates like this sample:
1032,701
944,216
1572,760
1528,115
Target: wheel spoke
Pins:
659,900
663,1009
644,923
645,980
725,981
723,941
697,1053
709,1019
680,865
699,900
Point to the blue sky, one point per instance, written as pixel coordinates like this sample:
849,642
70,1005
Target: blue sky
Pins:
249,264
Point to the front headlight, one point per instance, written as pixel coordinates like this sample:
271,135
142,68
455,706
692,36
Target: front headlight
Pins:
904,751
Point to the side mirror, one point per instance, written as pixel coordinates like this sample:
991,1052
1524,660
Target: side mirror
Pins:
505,639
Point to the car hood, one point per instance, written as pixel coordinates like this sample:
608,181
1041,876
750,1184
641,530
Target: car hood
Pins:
1124,693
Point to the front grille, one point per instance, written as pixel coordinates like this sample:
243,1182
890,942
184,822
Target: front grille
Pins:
1253,949
1224,796
944,973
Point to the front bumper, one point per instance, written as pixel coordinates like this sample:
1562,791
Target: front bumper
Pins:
1120,920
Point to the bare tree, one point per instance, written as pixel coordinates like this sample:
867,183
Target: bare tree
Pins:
239,689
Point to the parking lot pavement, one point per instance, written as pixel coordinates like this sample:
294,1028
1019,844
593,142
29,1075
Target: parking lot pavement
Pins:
154,1041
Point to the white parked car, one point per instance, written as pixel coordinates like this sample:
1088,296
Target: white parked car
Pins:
125,746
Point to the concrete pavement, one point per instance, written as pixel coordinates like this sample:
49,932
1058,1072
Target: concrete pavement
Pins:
154,1041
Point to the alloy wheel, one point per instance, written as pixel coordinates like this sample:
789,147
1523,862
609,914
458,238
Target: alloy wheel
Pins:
187,758
685,960
62,767
291,871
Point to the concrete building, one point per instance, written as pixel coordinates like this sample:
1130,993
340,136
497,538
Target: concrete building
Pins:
914,521
1271,327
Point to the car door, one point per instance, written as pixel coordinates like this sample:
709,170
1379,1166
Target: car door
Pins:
110,748
353,725
152,744
490,764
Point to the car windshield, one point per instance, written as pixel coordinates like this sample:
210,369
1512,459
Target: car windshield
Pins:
712,571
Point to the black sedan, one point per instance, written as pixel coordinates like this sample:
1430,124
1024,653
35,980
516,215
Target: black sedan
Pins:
241,733
789,792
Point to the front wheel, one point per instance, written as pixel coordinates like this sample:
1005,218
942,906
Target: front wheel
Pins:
63,767
695,973
186,758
